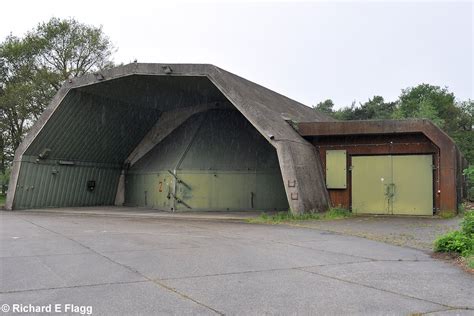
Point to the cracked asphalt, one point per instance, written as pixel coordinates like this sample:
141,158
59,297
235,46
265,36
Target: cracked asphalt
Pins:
142,266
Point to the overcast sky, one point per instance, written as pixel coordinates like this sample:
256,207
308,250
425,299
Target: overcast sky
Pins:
309,51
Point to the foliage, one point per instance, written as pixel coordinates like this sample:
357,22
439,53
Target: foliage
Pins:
465,142
66,48
375,108
431,102
326,106
4,179
454,241
469,173
459,241
2,199
283,217
467,225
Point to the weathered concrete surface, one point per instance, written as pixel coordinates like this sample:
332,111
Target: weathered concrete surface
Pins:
300,168
161,266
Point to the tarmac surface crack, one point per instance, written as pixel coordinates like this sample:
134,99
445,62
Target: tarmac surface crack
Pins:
71,287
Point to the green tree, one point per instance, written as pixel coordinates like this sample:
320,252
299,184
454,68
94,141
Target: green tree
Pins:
431,102
67,48
374,108
346,113
326,106
466,116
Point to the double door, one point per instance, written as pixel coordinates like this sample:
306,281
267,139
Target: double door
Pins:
392,184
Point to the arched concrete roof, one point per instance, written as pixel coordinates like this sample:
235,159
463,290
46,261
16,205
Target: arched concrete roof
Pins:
266,110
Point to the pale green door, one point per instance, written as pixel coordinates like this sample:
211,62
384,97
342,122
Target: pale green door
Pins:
413,179
392,185
371,176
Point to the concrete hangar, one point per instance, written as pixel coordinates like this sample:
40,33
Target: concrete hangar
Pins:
184,137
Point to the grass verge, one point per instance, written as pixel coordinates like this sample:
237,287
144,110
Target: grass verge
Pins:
2,199
285,217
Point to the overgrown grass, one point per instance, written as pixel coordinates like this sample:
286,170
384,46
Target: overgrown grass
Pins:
2,200
448,214
284,217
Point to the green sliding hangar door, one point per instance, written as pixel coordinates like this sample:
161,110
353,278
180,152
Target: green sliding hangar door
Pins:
400,185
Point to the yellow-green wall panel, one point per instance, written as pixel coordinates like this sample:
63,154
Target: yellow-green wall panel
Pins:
336,173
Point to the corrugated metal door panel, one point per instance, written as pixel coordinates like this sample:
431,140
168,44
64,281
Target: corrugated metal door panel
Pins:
371,177
91,128
413,180
49,185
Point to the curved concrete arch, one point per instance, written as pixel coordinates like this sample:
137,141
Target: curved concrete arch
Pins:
265,109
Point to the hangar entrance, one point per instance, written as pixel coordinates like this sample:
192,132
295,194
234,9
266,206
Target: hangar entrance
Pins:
216,160
179,137
392,184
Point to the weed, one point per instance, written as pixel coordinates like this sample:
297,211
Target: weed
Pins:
447,214
458,241
282,217
454,241
467,224
337,213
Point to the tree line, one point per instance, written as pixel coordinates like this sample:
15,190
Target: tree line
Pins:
431,102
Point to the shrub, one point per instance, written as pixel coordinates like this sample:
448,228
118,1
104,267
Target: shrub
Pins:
455,241
467,224
469,173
